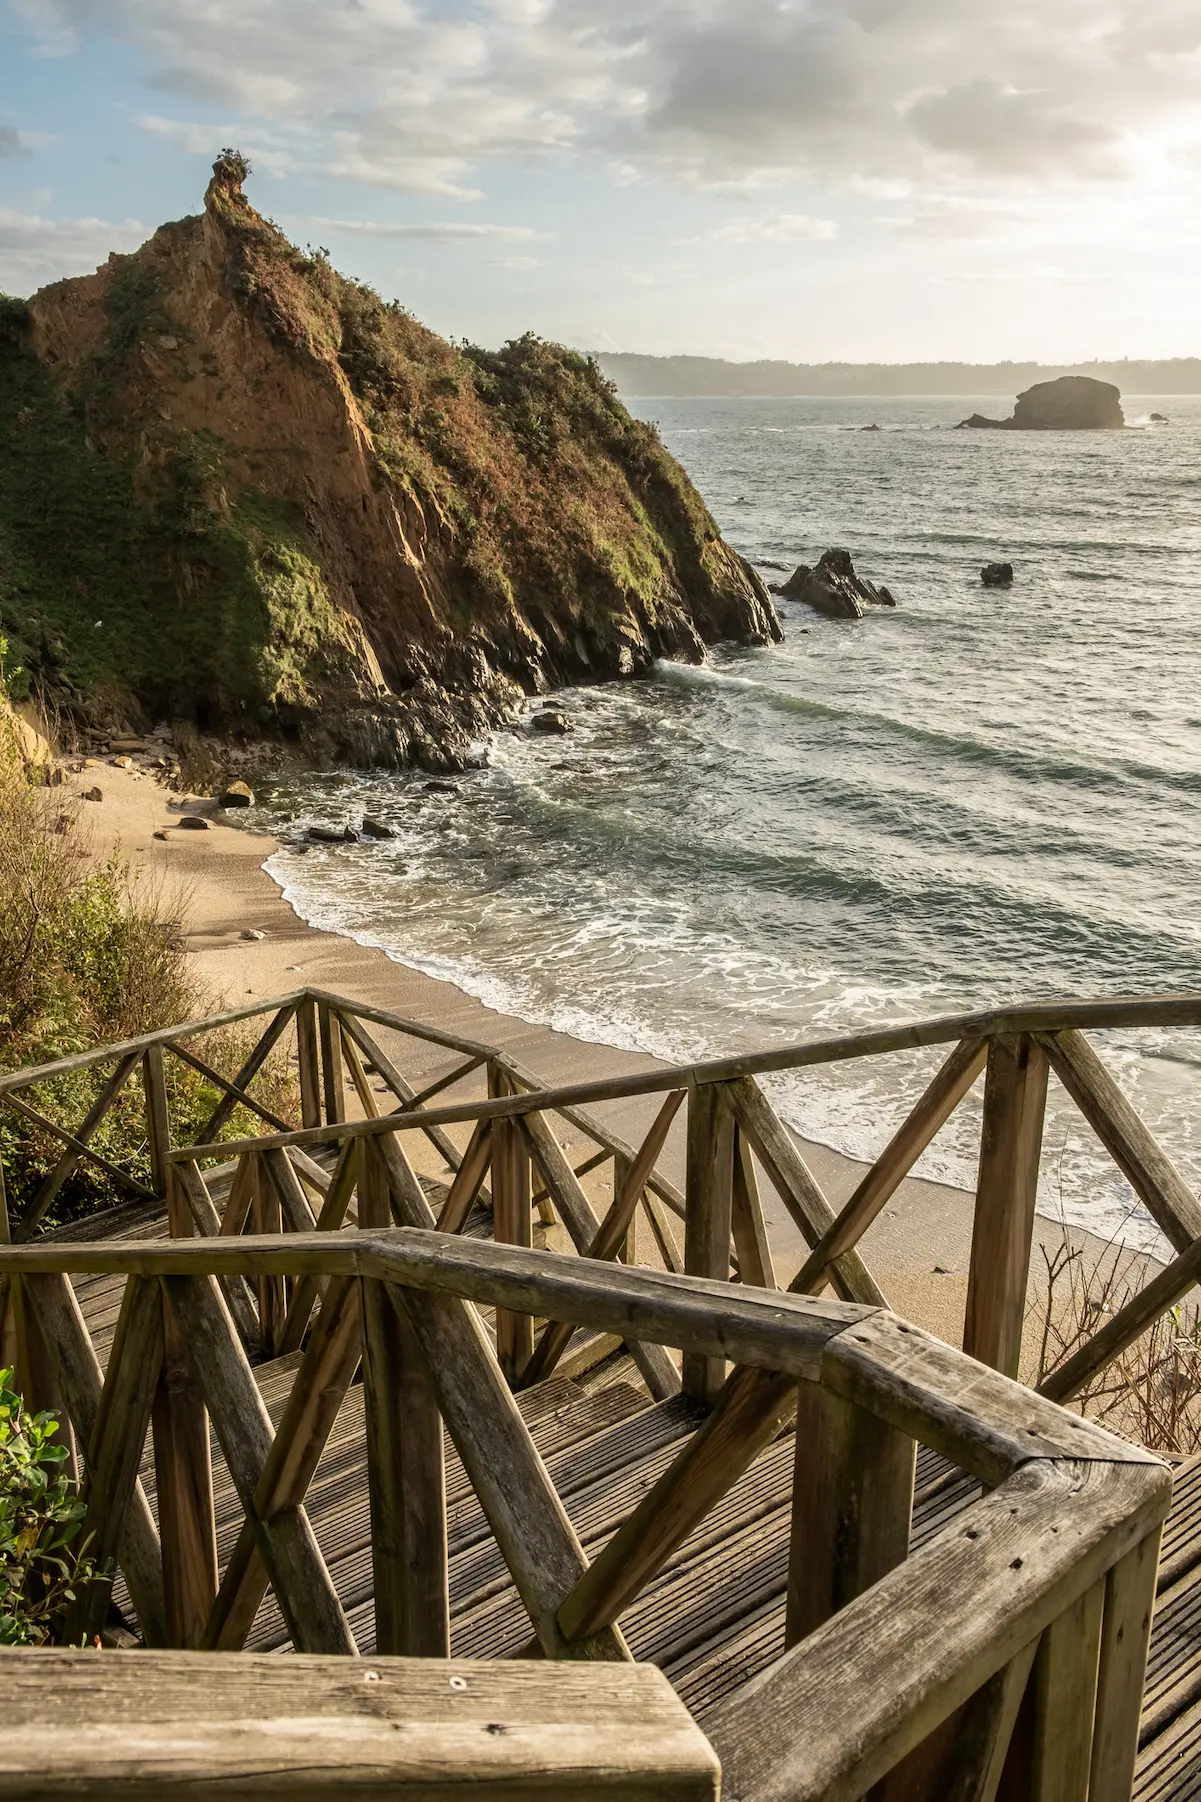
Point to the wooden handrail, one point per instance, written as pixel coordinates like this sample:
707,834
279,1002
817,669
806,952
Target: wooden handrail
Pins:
1049,1017
1070,1507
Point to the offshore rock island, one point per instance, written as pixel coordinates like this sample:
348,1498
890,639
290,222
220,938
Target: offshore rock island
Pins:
1073,403
241,490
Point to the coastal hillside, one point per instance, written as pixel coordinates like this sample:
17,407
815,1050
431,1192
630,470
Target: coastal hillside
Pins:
241,490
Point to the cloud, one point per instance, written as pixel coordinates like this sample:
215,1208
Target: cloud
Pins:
462,229
34,250
422,96
780,228
10,140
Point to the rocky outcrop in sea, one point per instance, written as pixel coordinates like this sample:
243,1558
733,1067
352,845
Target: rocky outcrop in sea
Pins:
1072,403
833,587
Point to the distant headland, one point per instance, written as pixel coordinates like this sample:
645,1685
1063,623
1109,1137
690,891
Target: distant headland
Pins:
714,377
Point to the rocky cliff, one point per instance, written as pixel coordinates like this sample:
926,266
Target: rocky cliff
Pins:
239,489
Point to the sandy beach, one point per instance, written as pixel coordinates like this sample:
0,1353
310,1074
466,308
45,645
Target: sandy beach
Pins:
919,1248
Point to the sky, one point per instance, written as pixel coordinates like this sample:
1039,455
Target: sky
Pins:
868,180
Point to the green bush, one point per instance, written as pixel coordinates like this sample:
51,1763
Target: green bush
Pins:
42,1562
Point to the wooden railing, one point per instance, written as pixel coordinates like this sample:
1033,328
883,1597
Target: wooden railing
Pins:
733,1137
901,1670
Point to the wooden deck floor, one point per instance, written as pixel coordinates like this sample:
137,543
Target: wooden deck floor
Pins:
714,1617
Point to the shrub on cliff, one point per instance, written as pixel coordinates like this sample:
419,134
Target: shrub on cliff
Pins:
89,955
42,1559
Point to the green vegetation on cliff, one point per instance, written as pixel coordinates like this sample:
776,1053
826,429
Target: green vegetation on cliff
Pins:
90,955
236,486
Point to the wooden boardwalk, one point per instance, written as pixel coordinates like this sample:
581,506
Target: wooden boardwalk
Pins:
714,1616
482,1450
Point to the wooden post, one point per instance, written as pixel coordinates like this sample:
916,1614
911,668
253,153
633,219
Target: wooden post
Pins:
851,1504
309,1063
627,1251
709,1198
512,1224
158,1121
117,1443
405,1460
331,1064
1015,1094
183,1471
184,1475
1122,1667
1065,1697
750,1230
266,1216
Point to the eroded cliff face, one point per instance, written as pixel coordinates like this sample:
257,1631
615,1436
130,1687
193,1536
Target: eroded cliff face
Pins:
247,492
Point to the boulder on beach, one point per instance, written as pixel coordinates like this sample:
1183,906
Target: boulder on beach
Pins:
997,575
1071,403
551,719
834,588
373,828
236,794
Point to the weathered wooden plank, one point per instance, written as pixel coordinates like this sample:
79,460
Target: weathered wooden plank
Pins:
468,1179
249,1070
292,1198
709,1192
528,1519
326,1372
308,1062
286,1543
1065,1697
749,1228
526,1516
241,1194
358,1075
266,1221
1141,1159
114,1451
80,1382
184,1481
1164,1290
405,1463
1125,1633
307,1289
575,1209
330,1034
309,1728
919,1643
965,1759
1015,1095
791,1178
158,1120
400,1087
85,1153
852,1498
68,1163
208,1223
607,1238
928,1116
974,1417
752,1409
235,1096
512,1224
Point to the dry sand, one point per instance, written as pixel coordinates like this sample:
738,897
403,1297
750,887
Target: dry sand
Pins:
918,1249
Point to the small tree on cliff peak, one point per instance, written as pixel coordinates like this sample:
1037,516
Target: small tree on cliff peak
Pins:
231,169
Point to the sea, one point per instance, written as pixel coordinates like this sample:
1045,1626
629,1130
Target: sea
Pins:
982,796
